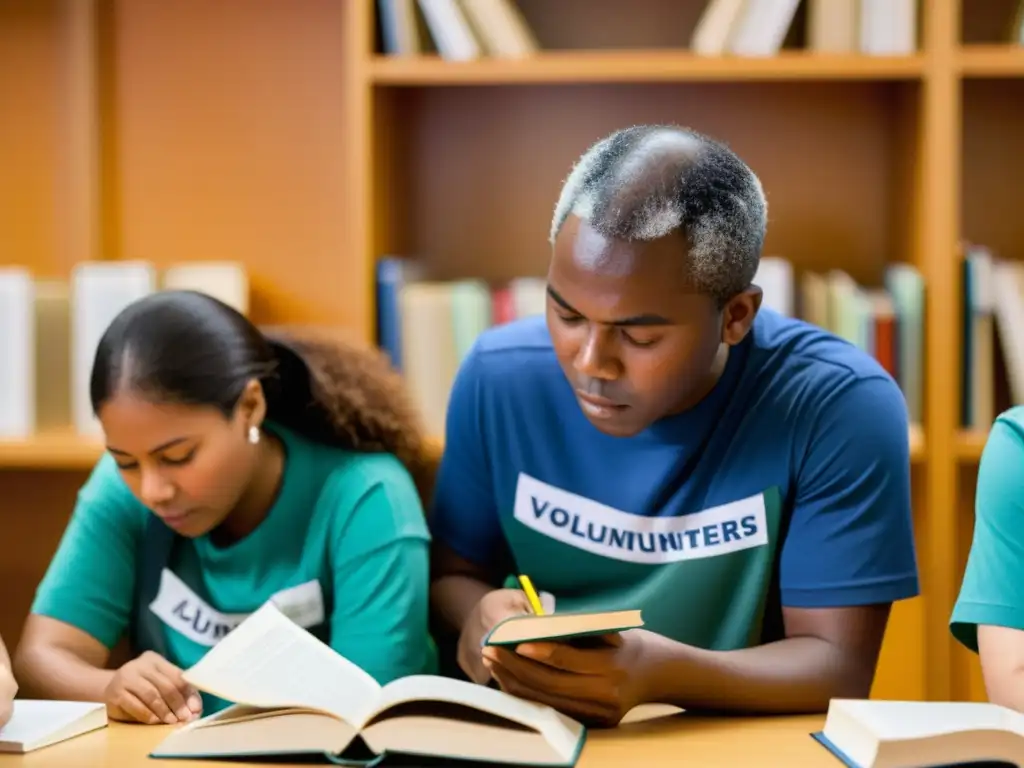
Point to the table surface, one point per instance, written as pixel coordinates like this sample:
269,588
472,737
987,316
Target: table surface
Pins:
679,740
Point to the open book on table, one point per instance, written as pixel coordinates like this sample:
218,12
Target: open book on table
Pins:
562,627
902,734
297,696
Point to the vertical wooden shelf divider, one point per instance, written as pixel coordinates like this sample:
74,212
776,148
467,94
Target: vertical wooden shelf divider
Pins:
938,194
359,23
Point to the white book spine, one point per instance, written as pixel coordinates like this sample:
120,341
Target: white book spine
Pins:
100,291
716,26
225,281
888,27
452,34
17,354
775,278
763,27
529,296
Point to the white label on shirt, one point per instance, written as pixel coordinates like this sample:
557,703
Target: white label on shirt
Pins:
185,612
586,524
303,604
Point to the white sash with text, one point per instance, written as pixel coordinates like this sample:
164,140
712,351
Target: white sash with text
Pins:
594,527
185,612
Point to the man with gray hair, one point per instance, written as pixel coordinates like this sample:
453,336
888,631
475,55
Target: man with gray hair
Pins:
660,441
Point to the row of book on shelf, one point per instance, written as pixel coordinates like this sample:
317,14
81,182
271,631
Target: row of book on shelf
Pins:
992,331
50,329
427,326
466,30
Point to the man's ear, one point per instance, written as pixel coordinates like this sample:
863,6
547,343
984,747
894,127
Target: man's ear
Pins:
739,314
252,405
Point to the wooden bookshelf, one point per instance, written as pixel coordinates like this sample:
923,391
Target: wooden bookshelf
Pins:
280,136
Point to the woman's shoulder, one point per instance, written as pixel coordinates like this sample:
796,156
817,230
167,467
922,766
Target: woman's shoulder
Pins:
1005,440
370,496
347,477
357,474
1011,419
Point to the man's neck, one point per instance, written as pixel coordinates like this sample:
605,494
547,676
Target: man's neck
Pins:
714,376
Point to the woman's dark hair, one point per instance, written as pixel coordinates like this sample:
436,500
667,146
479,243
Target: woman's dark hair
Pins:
188,347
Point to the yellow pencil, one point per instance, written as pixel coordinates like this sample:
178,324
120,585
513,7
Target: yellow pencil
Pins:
531,594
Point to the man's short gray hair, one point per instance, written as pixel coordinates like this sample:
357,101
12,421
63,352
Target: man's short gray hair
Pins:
644,182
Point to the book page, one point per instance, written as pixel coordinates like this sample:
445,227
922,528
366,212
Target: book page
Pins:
429,688
1012,720
560,732
269,661
919,719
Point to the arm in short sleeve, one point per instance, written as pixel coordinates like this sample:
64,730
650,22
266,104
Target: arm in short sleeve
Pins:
464,516
90,581
380,558
990,593
850,539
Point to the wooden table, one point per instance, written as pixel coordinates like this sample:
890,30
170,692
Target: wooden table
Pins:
681,740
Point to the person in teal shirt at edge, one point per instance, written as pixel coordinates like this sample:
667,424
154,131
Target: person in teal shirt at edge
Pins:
240,468
988,617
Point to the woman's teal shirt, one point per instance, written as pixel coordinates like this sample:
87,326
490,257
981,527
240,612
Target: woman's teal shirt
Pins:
991,591
352,521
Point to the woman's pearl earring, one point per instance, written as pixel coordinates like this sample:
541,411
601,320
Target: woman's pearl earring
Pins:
254,434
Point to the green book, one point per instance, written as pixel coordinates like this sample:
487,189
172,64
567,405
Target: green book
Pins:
563,627
296,698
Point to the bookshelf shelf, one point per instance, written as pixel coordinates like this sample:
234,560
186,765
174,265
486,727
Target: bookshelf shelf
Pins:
639,66
969,445
917,445
50,450
992,61
65,450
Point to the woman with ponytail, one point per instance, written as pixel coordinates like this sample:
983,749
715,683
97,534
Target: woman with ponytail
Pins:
241,467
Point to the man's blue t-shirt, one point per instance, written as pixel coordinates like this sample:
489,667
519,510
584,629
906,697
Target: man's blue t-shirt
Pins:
787,485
